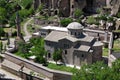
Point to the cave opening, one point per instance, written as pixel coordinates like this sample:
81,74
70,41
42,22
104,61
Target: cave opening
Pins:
89,7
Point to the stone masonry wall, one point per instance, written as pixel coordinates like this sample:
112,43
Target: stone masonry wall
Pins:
51,74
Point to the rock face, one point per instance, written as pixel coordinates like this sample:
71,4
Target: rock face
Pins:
115,6
67,7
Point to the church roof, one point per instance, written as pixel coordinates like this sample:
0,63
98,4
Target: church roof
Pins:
98,43
55,36
74,25
84,48
54,28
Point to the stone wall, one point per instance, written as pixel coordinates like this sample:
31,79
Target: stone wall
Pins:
51,74
97,33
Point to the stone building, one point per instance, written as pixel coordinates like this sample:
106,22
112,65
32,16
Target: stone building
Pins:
77,47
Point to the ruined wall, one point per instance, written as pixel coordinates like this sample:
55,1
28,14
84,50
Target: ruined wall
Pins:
64,7
99,3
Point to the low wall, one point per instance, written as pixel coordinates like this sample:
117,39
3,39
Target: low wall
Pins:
49,73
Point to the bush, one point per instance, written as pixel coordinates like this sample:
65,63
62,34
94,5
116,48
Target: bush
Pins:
110,19
103,17
92,20
40,59
78,13
118,14
40,7
26,4
14,34
64,22
2,32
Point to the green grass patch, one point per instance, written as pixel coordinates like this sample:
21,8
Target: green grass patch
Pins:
23,55
61,67
105,52
9,29
117,31
116,46
30,28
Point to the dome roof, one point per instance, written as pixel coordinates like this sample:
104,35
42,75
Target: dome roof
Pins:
74,25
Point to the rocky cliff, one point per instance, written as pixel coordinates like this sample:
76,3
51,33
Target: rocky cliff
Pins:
115,6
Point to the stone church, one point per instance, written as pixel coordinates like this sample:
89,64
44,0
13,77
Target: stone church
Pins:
77,47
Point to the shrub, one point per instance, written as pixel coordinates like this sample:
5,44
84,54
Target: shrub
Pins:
14,34
78,13
64,22
118,14
40,7
91,20
57,55
103,17
2,32
110,19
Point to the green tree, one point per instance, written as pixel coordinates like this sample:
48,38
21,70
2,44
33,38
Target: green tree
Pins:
23,47
40,7
25,4
2,32
1,47
3,14
38,50
57,55
98,71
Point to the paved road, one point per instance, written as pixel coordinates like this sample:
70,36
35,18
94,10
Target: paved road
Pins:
27,34
25,27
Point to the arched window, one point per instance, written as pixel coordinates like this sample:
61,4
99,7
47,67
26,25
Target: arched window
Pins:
65,51
71,33
75,33
82,55
72,6
49,55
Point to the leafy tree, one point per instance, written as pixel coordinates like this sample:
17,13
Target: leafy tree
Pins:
3,14
118,14
1,47
64,22
2,32
40,7
98,71
57,55
3,3
103,17
23,47
110,19
25,4
38,50
8,10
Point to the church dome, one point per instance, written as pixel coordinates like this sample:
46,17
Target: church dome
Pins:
74,25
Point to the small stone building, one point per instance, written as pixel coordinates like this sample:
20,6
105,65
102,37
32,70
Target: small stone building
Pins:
77,47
